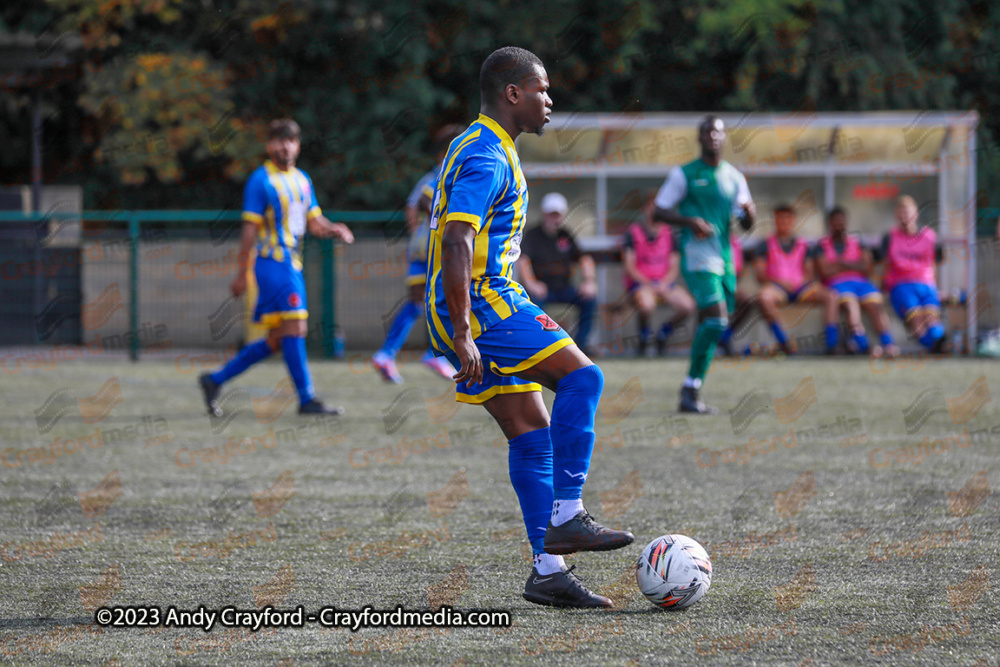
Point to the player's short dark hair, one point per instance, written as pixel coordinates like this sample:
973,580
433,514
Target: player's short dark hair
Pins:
836,210
784,208
444,136
283,128
509,65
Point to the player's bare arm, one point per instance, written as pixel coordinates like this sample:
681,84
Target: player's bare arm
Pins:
673,272
698,226
588,270
456,276
322,228
760,270
423,204
809,270
537,288
863,265
247,238
749,215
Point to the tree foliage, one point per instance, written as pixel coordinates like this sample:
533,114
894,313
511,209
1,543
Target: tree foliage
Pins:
188,86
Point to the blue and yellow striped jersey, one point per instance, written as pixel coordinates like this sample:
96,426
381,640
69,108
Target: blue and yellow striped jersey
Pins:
416,249
279,203
481,184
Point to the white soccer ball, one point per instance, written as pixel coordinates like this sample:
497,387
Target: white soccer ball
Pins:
674,572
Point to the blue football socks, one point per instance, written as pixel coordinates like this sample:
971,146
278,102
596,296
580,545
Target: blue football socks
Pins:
832,337
861,340
933,334
244,359
529,460
779,333
294,349
572,430
400,329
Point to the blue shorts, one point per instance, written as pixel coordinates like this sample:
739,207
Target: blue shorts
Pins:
862,290
801,291
417,275
910,298
281,292
508,347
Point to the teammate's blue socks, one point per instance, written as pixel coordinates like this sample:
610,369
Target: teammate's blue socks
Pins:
832,337
779,333
572,430
933,334
885,338
244,359
400,329
861,340
294,349
529,459
644,333
666,330
726,336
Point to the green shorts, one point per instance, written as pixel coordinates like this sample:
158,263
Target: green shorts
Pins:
711,288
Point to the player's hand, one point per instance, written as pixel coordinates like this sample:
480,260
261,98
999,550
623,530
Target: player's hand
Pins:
239,284
538,289
701,229
750,208
472,364
341,231
588,289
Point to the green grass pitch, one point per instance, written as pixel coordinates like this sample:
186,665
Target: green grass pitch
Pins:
846,506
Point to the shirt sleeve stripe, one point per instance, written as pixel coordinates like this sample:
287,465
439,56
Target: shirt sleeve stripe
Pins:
473,220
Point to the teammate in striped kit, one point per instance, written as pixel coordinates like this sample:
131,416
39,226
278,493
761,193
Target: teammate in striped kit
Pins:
505,347
279,206
418,207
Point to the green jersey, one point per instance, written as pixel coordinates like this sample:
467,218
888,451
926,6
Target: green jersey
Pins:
698,190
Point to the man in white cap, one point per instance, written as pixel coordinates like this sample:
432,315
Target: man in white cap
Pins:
549,256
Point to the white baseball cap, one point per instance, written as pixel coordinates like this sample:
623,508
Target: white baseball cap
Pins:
554,203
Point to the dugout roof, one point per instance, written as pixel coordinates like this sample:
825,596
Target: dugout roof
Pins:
606,164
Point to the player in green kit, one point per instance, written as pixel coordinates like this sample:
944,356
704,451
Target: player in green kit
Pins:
702,197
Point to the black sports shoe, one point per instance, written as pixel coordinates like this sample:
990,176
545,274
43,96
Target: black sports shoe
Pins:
661,345
640,349
211,392
691,402
318,407
562,589
582,533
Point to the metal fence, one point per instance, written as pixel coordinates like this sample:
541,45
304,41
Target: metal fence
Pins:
140,281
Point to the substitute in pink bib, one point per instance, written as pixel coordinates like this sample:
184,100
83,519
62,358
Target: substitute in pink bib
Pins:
651,266
910,253
785,273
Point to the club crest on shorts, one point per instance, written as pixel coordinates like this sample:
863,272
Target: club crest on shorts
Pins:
294,300
547,322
